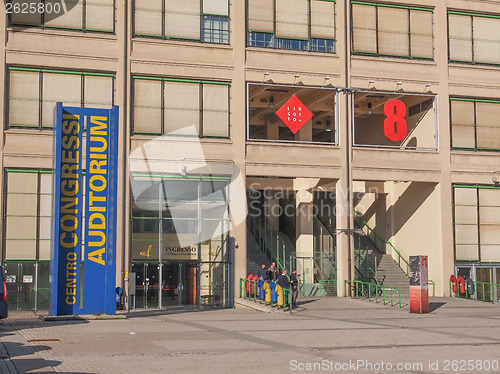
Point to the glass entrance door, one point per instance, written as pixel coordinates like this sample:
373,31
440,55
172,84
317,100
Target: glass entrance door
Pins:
20,282
484,278
146,285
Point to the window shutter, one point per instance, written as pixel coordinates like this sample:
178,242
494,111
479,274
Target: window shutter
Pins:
147,106
364,28
462,124
59,87
486,33
488,125
182,107
421,33
216,7
99,15
72,18
460,37
98,91
147,17
393,31
292,19
24,98
322,19
260,15
21,220
215,110
26,18
182,19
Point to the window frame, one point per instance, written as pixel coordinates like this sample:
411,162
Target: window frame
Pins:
278,43
471,15
474,101
163,35
84,22
40,92
38,211
478,220
162,119
377,31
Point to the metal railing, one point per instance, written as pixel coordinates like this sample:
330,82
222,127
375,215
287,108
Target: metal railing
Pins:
371,233
489,292
433,287
270,242
328,287
249,289
364,290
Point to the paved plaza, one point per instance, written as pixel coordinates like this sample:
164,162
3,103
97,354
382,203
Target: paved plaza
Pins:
338,335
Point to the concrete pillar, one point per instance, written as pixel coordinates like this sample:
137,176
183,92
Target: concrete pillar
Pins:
304,244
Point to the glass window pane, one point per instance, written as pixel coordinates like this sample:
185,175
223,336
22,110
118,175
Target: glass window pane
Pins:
465,196
20,249
467,252
147,106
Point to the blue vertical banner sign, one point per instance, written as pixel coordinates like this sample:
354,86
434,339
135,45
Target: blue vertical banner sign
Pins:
97,292
100,211
67,212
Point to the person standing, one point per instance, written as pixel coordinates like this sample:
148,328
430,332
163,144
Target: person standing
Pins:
273,272
262,274
284,282
294,282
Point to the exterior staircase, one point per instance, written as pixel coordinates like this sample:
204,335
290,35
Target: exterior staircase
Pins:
392,275
255,257
387,271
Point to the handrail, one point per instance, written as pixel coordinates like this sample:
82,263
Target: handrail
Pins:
357,294
433,287
369,267
369,229
244,283
323,282
483,284
269,248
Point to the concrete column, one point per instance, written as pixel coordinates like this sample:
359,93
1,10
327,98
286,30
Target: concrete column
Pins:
304,244
305,133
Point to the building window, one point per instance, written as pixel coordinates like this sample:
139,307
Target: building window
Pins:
266,122
33,94
303,25
28,214
477,223
180,107
474,38
474,124
396,31
199,20
89,15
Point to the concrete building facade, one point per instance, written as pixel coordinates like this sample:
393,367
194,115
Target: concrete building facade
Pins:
198,84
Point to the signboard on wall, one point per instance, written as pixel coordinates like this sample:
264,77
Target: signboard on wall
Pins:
99,210
394,119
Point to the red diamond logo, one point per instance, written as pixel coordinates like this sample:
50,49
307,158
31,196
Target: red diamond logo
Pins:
294,114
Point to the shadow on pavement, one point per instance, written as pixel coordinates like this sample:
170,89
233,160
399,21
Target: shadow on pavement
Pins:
435,305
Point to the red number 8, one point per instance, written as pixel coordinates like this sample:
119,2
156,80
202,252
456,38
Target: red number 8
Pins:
395,127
